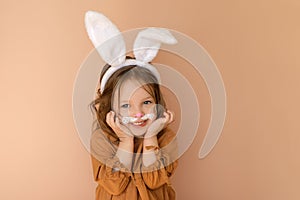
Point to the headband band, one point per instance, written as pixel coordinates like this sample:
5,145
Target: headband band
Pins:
127,62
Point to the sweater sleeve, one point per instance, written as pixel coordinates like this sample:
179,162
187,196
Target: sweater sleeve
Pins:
158,173
108,171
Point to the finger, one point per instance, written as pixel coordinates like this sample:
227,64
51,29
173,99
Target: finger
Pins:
167,116
171,116
118,123
111,121
122,128
108,118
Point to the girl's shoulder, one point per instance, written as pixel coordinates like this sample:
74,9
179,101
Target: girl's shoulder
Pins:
99,134
101,146
101,139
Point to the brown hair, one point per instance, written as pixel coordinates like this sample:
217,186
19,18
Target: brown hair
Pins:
102,104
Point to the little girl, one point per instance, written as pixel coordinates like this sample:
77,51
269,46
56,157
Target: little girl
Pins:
133,152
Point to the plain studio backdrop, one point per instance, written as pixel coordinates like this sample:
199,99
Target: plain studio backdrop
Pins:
255,45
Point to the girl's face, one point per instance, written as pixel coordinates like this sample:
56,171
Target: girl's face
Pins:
136,107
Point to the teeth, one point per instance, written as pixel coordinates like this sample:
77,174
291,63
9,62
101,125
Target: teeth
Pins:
138,123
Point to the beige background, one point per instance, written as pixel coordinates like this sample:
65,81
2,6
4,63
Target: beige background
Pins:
255,45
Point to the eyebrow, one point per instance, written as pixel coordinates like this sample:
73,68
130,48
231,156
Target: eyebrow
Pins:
148,97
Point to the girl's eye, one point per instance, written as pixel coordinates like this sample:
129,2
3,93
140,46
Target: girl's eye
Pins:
147,102
125,105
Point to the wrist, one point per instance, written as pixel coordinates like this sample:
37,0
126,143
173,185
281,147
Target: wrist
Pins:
151,141
150,150
128,139
126,144
150,135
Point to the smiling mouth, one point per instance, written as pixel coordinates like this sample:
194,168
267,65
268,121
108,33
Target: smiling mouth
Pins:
140,123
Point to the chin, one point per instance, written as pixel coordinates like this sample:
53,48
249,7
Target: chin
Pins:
139,129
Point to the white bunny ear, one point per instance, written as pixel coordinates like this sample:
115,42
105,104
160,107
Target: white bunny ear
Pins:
148,41
103,32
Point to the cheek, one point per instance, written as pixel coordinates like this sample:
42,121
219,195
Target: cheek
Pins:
114,105
151,110
152,113
124,112
154,108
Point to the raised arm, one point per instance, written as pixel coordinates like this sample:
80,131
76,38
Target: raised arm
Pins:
158,173
109,172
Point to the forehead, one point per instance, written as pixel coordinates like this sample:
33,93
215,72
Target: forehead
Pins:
132,89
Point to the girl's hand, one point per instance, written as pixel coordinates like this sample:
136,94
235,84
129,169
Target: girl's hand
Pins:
121,131
159,124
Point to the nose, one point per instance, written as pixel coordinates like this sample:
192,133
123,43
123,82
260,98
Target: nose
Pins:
139,114
136,111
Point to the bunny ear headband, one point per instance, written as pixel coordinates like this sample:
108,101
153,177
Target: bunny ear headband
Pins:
103,32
